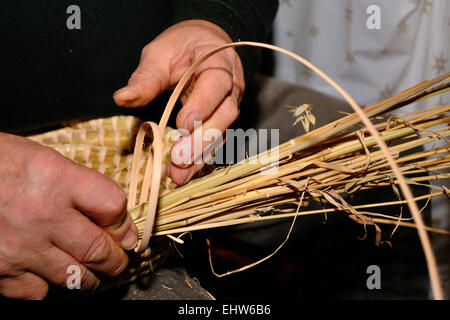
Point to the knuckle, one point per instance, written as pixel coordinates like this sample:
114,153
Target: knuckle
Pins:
4,269
88,282
135,77
36,292
239,87
7,269
119,266
146,49
233,111
48,158
145,74
116,204
48,167
14,252
40,186
39,216
37,212
98,251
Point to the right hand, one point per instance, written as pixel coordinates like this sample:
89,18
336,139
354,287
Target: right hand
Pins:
55,213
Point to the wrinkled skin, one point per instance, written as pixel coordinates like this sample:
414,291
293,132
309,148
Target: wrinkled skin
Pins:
213,95
55,213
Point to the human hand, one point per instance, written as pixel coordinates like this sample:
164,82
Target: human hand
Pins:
213,95
55,213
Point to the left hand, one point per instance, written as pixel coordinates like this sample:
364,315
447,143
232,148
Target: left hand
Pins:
213,95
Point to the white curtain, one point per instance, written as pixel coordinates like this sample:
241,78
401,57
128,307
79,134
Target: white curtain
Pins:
412,45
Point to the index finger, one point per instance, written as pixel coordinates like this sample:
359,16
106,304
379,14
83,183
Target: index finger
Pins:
104,202
213,82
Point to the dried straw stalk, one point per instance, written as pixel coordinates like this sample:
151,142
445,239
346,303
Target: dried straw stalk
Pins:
152,178
321,164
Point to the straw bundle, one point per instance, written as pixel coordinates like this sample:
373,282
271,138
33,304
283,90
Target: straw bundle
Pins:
321,165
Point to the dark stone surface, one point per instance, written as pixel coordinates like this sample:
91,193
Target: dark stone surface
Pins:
170,282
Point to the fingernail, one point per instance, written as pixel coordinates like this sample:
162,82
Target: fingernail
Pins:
189,176
130,240
191,120
125,94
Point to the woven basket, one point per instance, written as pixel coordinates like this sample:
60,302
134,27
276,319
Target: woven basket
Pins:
106,146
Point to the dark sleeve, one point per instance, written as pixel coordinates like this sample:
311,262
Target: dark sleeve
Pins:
243,20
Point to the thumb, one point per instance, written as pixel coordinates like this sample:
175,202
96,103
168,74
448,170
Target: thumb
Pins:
149,80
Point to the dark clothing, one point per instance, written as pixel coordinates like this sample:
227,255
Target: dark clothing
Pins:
53,74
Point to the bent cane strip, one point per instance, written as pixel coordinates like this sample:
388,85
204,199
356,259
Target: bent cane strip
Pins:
157,146
152,178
